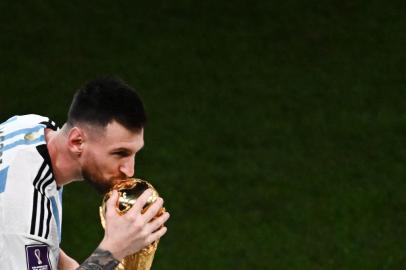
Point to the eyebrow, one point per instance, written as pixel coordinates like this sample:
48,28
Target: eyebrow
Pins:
124,149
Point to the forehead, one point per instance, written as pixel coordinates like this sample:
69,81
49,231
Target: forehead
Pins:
115,135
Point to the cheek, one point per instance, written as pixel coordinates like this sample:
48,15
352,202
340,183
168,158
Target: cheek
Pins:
98,163
109,166
103,164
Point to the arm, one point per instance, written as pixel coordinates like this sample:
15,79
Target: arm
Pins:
66,262
126,234
100,259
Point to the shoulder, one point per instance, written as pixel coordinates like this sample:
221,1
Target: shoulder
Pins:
23,120
22,134
23,152
27,121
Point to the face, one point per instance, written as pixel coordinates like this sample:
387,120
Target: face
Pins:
108,155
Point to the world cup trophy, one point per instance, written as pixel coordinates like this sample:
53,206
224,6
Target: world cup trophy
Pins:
129,191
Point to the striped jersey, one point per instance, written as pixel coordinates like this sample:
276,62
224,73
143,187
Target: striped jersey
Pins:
30,201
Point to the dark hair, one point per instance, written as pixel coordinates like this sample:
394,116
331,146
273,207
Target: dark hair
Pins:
106,99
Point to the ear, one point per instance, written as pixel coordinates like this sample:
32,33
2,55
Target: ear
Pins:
76,138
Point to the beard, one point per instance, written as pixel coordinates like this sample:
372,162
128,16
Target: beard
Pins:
96,182
91,173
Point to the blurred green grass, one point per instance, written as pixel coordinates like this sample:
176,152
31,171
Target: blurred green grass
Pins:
276,129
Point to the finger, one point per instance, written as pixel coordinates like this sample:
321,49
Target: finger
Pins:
158,222
140,202
111,203
156,235
153,209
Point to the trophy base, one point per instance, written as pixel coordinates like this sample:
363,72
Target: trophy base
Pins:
141,260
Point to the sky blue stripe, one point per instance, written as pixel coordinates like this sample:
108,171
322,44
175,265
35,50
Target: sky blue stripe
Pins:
3,179
22,142
55,212
60,195
23,131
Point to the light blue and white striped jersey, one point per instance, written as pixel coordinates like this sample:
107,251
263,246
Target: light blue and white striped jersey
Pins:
30,201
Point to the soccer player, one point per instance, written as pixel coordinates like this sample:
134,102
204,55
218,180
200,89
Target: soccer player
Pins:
98,143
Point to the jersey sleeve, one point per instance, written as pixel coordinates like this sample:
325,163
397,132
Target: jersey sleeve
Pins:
24,214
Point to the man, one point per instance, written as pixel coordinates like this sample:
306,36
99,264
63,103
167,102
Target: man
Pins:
98,143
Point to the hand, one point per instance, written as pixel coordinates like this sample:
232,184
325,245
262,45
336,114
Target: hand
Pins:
129,233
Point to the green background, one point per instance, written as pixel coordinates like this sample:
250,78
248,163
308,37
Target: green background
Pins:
276,128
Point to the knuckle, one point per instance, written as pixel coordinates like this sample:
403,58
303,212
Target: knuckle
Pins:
155,209
108,214
148,241
144,234
157,224
162,219
138,223
130,218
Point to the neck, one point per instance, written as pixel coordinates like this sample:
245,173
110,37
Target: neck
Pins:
65,167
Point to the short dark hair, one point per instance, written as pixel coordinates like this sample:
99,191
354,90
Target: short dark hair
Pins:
105,99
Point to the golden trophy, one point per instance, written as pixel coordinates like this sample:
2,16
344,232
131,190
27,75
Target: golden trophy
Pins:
129,191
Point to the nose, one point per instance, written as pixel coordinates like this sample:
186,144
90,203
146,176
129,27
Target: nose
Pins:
127,168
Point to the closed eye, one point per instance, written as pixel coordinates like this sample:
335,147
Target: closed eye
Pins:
122,153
